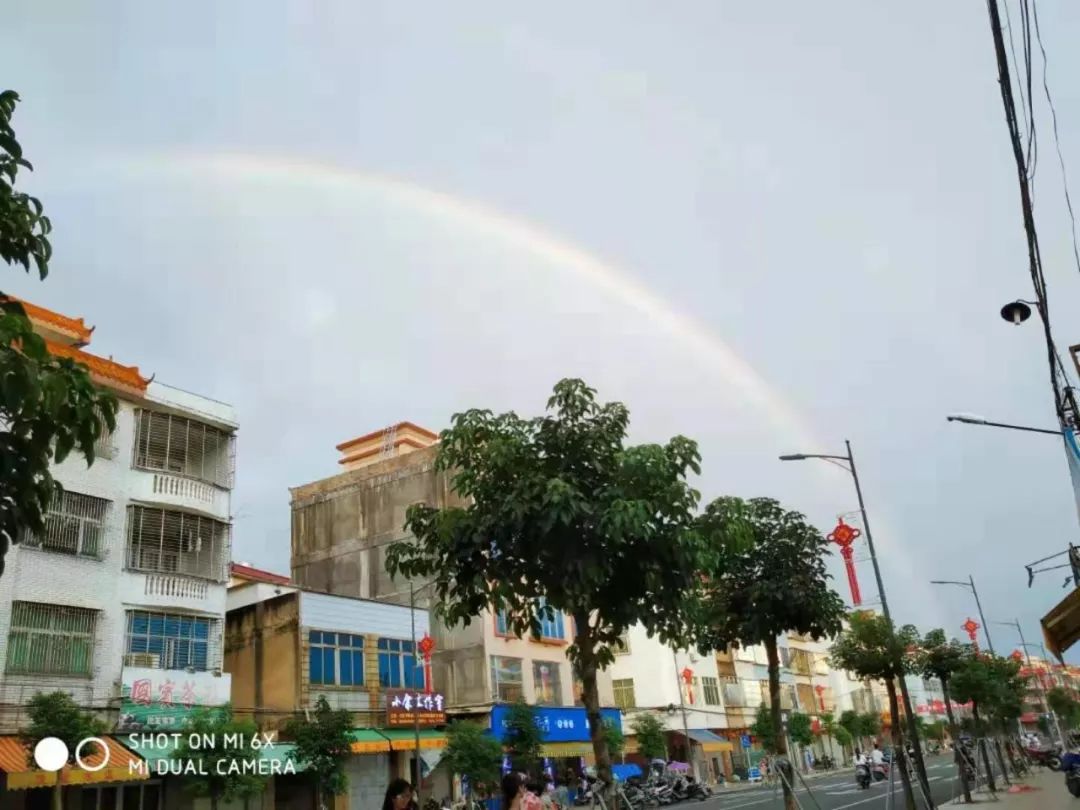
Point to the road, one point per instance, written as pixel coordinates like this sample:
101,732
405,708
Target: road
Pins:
838,792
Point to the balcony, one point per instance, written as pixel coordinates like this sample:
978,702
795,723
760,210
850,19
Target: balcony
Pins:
170,489
176,587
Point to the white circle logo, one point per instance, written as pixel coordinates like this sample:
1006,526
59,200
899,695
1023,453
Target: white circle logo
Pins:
78,753
50,754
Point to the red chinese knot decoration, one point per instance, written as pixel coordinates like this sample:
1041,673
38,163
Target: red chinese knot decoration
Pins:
971,627
426,646
688,679
820,691
1017,656
844,535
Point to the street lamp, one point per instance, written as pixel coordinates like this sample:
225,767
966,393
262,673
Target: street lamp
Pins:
970,585
847,462
1016,312
971,419
413,591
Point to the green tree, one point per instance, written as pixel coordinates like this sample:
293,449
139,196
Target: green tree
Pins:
843,738
1064,706
828,729
650,734
48,405
940,658
872,648
765,576
935,731
323,745
562,516
849,721
523,738
55,714
230,743
764,730
800,732
616,742
869,726
473,754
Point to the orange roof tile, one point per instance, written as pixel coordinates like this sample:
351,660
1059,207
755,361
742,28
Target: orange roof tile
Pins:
75,327
380,431
257,574
109,373
21,773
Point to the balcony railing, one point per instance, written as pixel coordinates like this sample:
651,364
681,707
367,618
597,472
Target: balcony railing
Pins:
179,587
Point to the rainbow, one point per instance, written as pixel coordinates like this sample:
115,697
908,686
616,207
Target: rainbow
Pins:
707,348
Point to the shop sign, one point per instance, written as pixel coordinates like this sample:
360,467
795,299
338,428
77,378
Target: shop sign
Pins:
152,699
558,723
406,708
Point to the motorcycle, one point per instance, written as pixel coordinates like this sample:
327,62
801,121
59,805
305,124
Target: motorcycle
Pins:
880,771
1047,757
862,776
1070,764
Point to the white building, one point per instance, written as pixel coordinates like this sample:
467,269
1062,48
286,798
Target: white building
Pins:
129,576
683,689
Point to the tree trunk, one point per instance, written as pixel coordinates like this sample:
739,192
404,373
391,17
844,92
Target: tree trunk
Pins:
990,783
898,759
954,732
913,731
783,763
1001,761
590,696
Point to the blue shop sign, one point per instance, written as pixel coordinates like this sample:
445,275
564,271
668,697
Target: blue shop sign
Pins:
559,723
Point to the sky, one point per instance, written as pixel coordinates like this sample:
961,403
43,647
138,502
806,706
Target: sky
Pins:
769,227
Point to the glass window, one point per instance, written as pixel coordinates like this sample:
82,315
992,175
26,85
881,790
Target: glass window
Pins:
171,542
624,693
622,647
51,639
502,627
506,681
174,640
551,621
335,659
176,444
398,666
547,683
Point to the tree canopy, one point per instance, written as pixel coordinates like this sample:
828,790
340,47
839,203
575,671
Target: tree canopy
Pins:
474,754
48,405
559,508
225,745
1064,706
650,735
323,745
872,649
523,738
800,728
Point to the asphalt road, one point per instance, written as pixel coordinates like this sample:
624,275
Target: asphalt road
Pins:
838,792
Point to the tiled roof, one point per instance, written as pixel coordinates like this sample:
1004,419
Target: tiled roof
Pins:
402,426
75,327
257,574
108,372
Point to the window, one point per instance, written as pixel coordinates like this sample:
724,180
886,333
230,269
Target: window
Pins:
50,640
733,692
710,689
398,666
183,446
547,683
788,701
764,687
624,693
622,647
171,542
104,446
170,640
75,525
335,659
502,626
506,683
131,796
551,621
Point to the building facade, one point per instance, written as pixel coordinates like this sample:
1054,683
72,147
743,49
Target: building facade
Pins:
286,648
120,601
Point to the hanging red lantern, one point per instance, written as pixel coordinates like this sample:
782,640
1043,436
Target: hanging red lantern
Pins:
820,691
688,679
844,535
426,646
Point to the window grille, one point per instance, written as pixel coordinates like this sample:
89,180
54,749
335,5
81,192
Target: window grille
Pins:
51,640
74,525
170,542
624,693
179,445
172,640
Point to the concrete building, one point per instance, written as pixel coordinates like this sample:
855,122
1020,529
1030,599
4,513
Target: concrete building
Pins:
121,600
341,528
684,690
286,647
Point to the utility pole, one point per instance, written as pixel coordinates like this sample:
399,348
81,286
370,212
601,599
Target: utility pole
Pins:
691,760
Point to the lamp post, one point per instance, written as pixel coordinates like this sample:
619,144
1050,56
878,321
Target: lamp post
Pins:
970,585
691,760
413,591
971,419
1038,680
847,462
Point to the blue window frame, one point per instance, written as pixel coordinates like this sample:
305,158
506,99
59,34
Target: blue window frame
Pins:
178,641
335,659
501,625
398,666
551,627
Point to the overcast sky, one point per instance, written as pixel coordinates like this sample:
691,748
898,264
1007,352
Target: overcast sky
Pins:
767,226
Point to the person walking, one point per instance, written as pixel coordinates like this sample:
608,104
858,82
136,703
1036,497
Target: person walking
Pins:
399,796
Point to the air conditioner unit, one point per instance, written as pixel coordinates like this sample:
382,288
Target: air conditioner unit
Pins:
149,660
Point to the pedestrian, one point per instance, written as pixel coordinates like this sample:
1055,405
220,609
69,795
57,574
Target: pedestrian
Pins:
562,794
399,796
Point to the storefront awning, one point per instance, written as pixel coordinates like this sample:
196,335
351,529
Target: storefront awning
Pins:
708,741
121,765
368,741
1061,626
402,739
